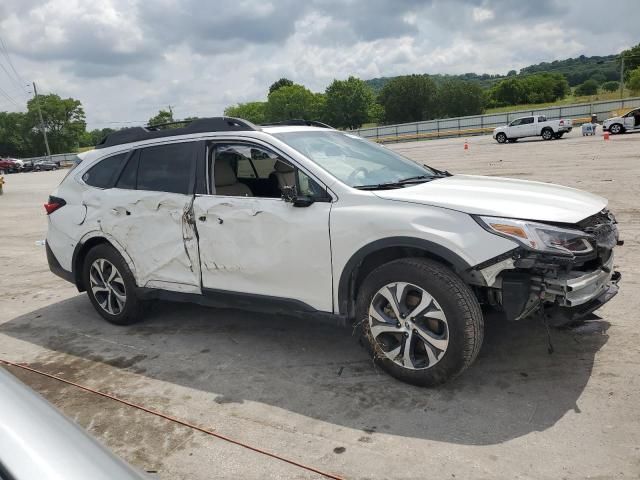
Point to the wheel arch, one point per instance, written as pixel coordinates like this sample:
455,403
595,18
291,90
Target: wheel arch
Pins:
85,244
379,252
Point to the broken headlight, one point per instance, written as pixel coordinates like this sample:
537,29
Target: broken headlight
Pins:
539,236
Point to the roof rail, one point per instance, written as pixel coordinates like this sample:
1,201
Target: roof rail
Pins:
200,125
298,122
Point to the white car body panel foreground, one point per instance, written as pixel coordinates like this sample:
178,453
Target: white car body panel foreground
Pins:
39,443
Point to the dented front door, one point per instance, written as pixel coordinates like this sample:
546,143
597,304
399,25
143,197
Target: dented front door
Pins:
265,246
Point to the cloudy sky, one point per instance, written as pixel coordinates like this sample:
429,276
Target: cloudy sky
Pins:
125,59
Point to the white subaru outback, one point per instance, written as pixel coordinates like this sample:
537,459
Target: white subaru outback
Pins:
304,218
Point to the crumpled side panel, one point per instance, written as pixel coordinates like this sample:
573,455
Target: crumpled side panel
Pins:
150,226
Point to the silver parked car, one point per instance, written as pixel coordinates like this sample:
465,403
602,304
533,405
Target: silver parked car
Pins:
39,443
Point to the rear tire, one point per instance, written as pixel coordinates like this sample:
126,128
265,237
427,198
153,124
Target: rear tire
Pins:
111,286
547,134
436,319
501,138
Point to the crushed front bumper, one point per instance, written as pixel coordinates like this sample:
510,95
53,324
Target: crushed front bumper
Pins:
577,288
579,294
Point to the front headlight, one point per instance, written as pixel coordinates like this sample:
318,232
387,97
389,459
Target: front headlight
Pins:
539,236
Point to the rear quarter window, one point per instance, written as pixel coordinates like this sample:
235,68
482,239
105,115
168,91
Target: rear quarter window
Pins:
104,173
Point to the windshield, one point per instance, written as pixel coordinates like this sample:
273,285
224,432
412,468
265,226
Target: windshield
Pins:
354,160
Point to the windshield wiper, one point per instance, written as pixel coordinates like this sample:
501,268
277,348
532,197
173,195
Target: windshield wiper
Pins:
399,184
417,177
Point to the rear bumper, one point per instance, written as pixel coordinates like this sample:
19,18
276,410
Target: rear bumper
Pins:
56,268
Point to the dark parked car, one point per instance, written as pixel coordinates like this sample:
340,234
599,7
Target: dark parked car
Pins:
45,165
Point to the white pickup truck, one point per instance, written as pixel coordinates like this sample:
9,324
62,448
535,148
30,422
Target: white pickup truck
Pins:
534,126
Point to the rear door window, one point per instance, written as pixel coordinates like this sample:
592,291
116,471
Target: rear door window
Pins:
167,168
105,172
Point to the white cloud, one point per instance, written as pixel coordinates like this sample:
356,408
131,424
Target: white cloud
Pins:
482,14
124,60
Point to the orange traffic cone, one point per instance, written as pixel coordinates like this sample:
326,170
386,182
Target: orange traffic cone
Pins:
606,135
466,145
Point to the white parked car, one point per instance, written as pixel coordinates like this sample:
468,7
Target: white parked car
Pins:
297,218
533,126
628,122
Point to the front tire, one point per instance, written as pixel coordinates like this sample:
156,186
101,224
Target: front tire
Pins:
616,129
420,322
111,286
547,134
501,138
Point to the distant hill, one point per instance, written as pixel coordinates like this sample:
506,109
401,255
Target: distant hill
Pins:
577,70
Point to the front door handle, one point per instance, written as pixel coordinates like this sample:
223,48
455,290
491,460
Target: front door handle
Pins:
120,211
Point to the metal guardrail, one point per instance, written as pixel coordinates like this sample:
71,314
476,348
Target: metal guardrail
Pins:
60,157
483,124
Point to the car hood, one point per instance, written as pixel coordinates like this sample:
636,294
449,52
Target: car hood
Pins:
614,119
502,197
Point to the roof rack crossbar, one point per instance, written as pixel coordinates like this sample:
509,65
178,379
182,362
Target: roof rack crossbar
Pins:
297,122
200,125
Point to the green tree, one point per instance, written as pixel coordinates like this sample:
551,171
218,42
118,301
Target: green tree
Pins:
509,92
633,83
589,87
163,116
409,98
348,103
457,98
631,60
289,102
611,86
536,88
375,113
63,119
253,111
16,134
89,139
283,82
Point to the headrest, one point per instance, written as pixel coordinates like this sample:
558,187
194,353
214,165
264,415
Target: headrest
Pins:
282,167
223,173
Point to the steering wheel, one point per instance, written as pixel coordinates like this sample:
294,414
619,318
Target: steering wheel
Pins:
352,176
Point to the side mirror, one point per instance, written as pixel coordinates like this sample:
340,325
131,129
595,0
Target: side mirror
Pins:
290,195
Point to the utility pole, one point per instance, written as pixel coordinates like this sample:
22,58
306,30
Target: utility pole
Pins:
170,112
44,131
621,76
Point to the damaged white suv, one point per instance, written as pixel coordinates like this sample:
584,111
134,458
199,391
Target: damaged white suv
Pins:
304,218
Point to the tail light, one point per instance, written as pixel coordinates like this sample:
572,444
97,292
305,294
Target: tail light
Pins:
53,204
561,122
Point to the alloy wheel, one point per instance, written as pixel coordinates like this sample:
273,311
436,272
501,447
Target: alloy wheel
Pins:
107,286
408,325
